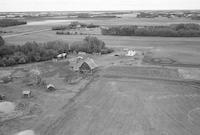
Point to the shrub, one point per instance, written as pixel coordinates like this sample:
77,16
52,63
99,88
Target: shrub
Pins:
60,27
59,46
6,50
93,44
2,42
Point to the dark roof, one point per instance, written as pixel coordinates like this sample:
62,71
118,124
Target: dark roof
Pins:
90,62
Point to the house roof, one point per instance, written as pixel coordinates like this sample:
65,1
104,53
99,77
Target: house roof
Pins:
91,63
50,86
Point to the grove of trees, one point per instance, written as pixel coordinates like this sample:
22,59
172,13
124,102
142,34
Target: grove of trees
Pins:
31,52
74,25
90,45
35,52
10,22
174,30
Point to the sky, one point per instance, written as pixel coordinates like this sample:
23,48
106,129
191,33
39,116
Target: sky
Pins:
95,5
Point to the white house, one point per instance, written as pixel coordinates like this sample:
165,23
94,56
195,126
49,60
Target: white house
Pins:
62,55
131,53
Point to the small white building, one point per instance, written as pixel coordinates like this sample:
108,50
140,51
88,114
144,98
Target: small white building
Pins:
131,53
51,87
62,56
26,93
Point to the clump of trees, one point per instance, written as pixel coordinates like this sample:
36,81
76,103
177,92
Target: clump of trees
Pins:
35,52
11,22
74,25
90,45
31,52
174,30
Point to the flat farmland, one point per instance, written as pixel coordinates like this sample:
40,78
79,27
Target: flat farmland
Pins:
126,96
184,50
130,106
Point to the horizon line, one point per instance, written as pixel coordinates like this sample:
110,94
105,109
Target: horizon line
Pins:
102,10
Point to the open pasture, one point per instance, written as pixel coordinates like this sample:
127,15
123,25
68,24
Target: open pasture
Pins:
128,106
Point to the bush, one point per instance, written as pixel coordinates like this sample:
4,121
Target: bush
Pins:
60,27
2,42
58,46
93,44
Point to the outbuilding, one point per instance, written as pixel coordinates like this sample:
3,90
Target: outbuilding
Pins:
26,93
62,56
88,66
51,87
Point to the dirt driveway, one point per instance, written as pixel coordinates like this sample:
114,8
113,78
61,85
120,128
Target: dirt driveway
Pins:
130,106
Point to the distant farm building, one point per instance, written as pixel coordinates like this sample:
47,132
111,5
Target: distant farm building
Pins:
62,56
131,53
26,93
51,87
88,66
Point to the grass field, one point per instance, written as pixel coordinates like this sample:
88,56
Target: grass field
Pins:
131,107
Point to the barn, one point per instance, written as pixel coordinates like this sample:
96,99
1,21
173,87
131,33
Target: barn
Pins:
88,66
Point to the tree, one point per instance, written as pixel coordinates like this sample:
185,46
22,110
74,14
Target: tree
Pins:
2,42
94,44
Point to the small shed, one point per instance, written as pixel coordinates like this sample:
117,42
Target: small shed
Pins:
88,66
26,93
51,87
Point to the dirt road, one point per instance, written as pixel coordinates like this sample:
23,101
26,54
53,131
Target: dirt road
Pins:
111,105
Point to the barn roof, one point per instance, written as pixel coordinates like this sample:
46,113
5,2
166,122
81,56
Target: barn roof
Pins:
91,63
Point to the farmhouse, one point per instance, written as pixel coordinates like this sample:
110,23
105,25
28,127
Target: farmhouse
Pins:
62,56
131,53
88,66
